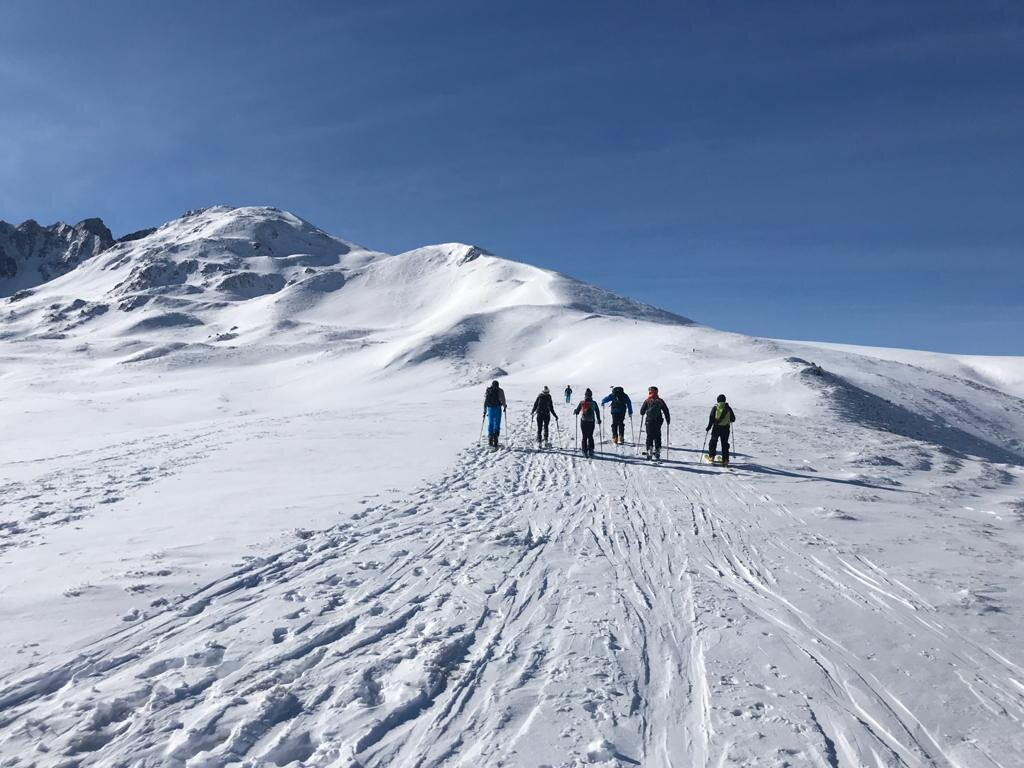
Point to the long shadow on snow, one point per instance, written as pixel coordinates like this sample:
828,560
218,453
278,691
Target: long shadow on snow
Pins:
636,461
868,410
679,466
677,449
763,470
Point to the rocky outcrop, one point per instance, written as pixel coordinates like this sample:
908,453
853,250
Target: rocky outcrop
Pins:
31,254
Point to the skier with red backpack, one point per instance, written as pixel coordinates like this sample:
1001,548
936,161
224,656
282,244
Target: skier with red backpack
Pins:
589,417
655,411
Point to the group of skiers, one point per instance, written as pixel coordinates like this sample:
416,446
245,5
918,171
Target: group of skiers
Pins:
654,413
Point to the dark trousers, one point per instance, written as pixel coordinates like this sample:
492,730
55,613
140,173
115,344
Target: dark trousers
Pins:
654,435
587,428
543,422
619,426
716,433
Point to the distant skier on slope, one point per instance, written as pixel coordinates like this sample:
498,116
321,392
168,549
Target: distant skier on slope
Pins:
621,405
719,421
494,405
568,394
656,411
590,416
544,409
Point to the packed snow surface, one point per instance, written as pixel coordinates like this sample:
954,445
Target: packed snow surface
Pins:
246,519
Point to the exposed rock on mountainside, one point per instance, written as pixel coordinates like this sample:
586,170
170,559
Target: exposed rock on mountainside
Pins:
31,254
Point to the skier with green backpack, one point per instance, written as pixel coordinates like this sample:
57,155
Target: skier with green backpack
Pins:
719,422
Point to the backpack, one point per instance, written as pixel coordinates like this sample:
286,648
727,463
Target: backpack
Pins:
618,399
723,415
586,410
654,411
492,398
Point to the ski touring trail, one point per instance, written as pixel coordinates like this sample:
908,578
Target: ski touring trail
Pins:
532,608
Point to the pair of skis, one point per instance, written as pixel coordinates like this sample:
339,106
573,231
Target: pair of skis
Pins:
706,459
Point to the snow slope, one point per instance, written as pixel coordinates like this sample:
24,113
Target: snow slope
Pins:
244,520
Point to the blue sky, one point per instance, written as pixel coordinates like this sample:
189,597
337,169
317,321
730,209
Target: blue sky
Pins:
848,172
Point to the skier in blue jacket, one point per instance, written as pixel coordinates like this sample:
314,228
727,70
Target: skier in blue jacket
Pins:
621,405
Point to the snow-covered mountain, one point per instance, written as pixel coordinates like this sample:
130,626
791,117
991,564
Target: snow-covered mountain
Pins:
244,521
250,275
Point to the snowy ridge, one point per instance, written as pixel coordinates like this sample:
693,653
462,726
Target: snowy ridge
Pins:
244,521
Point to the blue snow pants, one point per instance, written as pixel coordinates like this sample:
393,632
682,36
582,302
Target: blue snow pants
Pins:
493,419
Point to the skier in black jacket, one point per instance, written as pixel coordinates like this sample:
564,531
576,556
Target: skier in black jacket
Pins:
719,421
656,410
494,407
544,409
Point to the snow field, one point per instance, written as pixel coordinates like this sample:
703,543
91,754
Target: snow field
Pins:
536,608
245,520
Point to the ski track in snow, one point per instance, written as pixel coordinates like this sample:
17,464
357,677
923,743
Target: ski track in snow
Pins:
533,609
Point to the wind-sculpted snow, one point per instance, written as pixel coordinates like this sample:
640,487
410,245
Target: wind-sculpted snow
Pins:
592,300
863,407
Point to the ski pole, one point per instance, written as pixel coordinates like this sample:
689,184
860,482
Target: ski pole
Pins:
531,425
668,439
632,434
700,456
482,421
576,437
